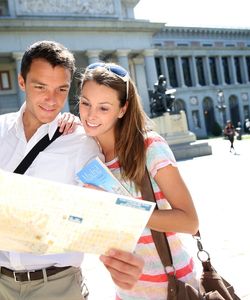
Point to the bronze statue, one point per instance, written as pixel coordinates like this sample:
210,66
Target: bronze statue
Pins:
161,99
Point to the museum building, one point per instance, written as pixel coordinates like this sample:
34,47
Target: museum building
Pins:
208,67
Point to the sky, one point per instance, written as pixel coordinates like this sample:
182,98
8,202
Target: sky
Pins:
196,13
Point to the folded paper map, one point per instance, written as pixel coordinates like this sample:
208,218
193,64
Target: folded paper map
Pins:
42,217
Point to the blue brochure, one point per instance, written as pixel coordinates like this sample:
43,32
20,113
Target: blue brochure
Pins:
96,173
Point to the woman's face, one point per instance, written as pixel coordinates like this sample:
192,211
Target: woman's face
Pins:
99,109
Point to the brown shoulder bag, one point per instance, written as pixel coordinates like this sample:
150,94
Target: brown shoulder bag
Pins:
212,286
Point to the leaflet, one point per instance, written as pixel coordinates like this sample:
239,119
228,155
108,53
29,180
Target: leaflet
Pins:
43,217
95,172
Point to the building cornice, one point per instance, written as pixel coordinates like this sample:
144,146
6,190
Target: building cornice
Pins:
24,24
206,30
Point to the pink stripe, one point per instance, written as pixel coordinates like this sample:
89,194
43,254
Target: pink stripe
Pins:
147,239
163,277
114,165
151,140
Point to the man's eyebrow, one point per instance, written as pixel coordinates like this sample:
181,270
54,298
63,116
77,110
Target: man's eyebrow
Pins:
65,86
42,83
37,82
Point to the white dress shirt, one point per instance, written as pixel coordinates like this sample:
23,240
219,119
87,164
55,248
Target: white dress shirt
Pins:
60,161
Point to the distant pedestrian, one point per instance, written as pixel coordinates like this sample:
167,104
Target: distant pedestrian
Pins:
238,130
247,125
229,132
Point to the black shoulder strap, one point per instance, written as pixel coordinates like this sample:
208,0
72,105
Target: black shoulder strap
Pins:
40,146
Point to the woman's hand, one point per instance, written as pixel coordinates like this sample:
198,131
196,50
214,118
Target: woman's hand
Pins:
125,268
68,123
93,187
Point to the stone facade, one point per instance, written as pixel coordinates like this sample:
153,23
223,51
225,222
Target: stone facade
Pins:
209,67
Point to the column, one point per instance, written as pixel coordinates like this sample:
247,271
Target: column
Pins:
93,56
220,71
164,67
179,71
243,68
193,71
232,70
141,82
122,57
11,6
207,70
150,67
18,58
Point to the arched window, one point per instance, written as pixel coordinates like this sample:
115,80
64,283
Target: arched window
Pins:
208,110
179,105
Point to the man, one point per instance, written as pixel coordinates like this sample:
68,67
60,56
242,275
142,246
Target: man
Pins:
46,73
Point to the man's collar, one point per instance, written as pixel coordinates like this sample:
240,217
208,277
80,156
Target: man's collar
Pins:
52,126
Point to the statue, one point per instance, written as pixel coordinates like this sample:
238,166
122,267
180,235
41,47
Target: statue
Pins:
161,99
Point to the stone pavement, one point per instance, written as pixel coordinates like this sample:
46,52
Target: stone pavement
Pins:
219,185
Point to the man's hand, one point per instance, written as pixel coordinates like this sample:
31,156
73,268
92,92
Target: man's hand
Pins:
125,268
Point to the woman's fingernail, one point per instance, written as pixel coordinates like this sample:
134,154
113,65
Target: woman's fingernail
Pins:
110,252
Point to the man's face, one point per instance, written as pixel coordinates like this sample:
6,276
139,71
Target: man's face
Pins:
46,90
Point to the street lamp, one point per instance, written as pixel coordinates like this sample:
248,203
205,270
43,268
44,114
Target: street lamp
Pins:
221,106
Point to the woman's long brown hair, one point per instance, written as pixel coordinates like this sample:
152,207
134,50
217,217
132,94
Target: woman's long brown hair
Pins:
130,130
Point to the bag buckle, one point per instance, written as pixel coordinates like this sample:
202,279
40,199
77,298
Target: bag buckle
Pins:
202,254
170,269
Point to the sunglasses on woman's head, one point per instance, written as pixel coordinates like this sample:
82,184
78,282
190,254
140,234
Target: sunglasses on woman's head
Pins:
115,69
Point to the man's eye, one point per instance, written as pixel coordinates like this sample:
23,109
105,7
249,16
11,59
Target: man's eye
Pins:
39,87
64,90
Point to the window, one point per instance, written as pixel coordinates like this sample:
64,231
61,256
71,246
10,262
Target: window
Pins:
182,45
172,71
213,70
226,69
207,45
4,11
237,68
200,71
248,66
158,66
186,71
5,80
196,119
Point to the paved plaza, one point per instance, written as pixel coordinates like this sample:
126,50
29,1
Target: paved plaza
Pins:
219,184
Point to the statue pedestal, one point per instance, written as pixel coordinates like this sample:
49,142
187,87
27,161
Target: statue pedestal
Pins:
173,127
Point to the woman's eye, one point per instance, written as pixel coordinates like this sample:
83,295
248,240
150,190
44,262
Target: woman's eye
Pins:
102,108
85,103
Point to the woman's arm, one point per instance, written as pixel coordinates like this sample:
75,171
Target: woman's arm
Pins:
182,216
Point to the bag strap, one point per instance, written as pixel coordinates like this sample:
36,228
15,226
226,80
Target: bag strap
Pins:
39,146
159,238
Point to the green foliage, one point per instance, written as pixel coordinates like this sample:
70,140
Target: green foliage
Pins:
216,129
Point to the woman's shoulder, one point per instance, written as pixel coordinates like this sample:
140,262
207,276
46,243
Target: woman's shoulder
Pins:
158,148
153,137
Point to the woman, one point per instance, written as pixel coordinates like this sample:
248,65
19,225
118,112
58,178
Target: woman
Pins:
229,131
111,112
